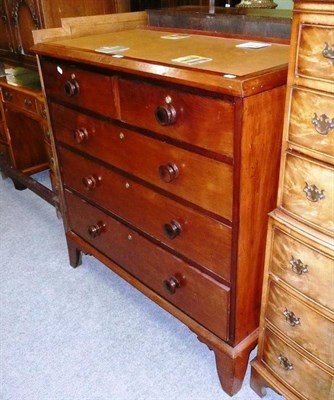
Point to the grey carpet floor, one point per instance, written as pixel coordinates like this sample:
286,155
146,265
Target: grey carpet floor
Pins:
85,334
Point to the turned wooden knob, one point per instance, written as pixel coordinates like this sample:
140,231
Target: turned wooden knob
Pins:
90,182
71,88
171,284
168,172
96,230
7,96
172,229
80,135
166,114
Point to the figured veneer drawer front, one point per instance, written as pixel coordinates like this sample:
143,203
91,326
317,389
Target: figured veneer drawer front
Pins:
316,52
19,99
300,323
295,370
312,123
308,192
200,120
303,267
79,87
175,280
198,237
201,180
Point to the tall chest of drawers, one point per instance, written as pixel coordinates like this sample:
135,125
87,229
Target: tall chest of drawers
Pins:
296,342
168,171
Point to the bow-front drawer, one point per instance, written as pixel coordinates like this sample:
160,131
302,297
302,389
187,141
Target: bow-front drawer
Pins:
315,57
79,87
295,370
200,120
200,180
301,265
311,125
177,226
169,276
301,323
24,101
308,192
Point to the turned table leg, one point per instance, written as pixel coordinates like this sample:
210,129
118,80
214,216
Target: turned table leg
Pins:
75,254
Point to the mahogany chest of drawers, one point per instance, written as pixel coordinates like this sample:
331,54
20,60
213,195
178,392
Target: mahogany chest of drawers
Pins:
296,341
169,169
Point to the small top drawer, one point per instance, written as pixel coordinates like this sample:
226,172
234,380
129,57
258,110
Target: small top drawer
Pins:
303,267
315,56
308,192
311,125
199,120
19,99
79,87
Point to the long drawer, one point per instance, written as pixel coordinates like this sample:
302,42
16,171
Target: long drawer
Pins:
171,168
177,226
308,193
303,267
19,99
295,370
200,120
196,294
301,323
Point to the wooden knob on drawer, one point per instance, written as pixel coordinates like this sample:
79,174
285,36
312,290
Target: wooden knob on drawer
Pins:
80,135
171,285
166,114
71,88
27,103
7,96
96,230
90,182
172,229
168,172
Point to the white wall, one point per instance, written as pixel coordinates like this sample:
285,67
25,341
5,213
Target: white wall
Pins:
284,4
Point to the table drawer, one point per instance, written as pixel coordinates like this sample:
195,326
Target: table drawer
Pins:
79,87
303,267
179,227
19,99
296,371
316,52
308,192
195,178
175,280
300,323
199,120
312,123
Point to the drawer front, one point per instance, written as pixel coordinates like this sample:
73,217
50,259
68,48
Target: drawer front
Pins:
295,370
177,226
175,280
82,88
308,192
202,121
300,323
21,100
312,123
316,53
304,268
197,179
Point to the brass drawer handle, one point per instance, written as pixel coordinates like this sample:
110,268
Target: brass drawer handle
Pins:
172,284
172,229
81,135
323,124
285,363
72,88
291,318
328,52
168,172
298,266
313,193
96,230
90,182
165,115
